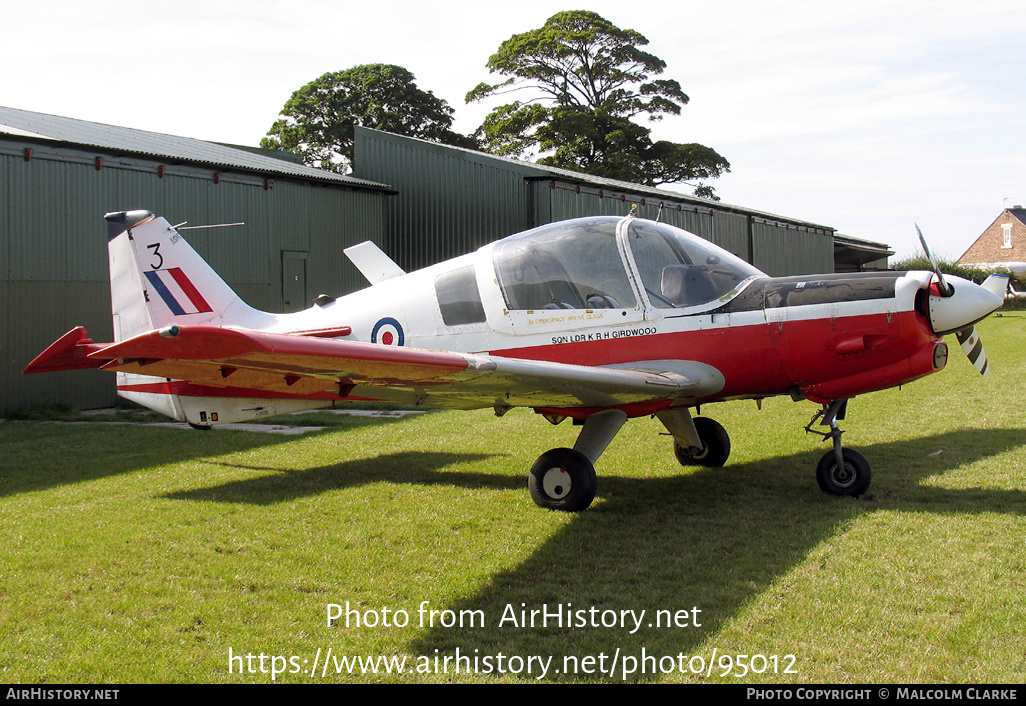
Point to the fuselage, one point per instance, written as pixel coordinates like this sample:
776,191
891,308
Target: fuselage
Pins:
617,298
687,321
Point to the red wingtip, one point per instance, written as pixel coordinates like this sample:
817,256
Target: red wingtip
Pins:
69,352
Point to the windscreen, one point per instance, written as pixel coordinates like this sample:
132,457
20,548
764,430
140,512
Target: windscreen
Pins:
681,270
567,265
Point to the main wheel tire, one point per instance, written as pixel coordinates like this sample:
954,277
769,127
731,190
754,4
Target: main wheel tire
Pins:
853,479
562,479
716,441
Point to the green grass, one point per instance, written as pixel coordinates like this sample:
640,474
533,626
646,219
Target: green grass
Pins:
138,554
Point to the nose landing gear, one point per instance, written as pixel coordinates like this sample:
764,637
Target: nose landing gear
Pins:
841,471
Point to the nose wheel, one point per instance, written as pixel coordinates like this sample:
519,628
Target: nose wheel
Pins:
851,477
841,471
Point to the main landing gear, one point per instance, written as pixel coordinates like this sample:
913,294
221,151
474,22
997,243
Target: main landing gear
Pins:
696,442
841,471
564,479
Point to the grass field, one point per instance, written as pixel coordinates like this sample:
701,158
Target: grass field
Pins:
137,554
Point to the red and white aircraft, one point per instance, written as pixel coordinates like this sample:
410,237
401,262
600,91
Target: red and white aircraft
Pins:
597,319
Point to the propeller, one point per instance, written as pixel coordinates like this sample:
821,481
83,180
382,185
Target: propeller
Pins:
946,290
973,348
967,337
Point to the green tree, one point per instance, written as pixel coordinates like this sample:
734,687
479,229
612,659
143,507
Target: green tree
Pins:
589,81
317,121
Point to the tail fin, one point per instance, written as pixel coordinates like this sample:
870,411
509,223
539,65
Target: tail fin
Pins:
998,284
156,279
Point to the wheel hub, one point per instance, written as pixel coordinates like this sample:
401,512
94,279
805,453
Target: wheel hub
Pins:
844,475
556,483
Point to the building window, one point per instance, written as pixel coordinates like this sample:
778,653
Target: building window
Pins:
1006,235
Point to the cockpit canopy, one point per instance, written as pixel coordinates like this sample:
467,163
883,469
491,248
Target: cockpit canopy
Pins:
591,263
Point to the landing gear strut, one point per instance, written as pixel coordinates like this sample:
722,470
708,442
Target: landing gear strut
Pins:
564,479
841,471
715,445
696,442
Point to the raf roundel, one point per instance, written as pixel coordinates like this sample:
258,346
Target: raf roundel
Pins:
388,332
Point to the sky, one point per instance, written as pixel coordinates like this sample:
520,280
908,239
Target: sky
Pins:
866,117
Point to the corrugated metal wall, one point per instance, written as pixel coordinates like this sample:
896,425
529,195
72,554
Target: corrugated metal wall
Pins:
565,200
452,201
53,247
782,249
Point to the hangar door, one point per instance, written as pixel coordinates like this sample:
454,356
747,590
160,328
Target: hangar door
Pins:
293,280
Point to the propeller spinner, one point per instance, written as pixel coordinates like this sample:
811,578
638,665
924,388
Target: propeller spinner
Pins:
960,304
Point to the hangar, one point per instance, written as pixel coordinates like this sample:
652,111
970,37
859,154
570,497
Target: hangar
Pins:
58,176
421,202
452,200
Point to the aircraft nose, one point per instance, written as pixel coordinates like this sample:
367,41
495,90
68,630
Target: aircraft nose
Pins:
969,303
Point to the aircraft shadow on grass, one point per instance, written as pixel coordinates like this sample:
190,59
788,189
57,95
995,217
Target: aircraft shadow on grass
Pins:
153,446
630,495
692,526
414,467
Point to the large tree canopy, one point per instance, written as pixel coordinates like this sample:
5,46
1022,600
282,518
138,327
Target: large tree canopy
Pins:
589,80
317,121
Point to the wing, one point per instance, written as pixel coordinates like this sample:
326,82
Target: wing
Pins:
300,366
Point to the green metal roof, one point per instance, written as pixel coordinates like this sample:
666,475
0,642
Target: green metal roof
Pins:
27,124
